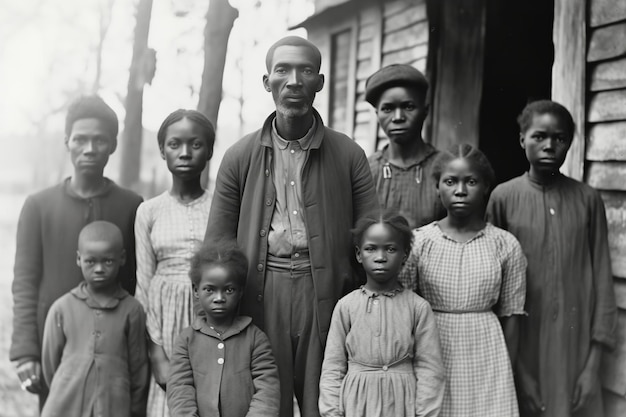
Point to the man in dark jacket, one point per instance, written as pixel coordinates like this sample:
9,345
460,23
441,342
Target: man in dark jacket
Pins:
290,193
48,229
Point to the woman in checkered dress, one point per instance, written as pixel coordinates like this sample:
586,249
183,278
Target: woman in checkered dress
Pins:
473,275
168,230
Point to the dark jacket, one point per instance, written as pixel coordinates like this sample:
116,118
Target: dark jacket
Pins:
337,189
45,254
228,375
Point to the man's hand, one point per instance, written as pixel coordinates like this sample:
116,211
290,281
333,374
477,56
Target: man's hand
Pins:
588,379
29,374
528,392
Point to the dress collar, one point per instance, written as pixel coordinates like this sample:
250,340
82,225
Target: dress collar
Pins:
429,151
398,289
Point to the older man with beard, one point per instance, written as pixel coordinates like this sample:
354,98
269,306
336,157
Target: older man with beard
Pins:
290,193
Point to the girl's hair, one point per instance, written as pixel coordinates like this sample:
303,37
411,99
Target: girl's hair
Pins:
224,253
389,218
525,119
196,117
473,156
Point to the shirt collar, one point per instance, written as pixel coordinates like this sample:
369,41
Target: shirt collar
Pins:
239,325
318,133
108,185
398,289
304,142
82,293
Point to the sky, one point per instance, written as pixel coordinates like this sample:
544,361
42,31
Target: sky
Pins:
47,53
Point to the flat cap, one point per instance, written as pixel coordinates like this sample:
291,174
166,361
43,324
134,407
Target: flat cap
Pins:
392,76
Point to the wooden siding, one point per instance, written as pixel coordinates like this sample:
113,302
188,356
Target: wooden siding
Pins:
605,164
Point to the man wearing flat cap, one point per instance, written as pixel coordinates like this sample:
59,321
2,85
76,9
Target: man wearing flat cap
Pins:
290,193
402,169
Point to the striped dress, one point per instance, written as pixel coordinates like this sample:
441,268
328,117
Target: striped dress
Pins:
167,233
469,285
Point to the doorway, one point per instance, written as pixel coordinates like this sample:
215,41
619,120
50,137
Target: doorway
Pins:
517,69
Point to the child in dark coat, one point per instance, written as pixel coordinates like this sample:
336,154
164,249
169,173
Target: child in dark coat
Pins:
95,357
223,364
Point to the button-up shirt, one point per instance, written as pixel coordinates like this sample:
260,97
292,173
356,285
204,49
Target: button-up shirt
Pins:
288,235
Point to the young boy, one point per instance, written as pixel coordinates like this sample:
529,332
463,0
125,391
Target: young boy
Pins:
48,230
94,355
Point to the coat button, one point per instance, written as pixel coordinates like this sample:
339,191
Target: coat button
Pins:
268,202
259,297
262,232
220,345
385,367
259,267
220,361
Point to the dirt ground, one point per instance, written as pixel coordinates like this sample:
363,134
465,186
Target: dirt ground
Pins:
13,401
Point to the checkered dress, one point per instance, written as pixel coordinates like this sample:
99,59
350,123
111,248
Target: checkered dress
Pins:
167,232
466,283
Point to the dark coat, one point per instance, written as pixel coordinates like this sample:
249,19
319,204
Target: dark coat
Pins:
229,375
45,255
337,189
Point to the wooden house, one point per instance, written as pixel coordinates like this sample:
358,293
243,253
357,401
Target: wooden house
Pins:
485,60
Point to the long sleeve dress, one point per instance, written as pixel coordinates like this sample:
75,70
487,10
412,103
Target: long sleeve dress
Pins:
570,300
382,357
468,285
167,233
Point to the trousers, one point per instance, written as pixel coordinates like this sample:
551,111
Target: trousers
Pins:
291,326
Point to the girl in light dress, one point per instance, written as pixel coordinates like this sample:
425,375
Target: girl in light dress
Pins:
382,355
473,275
168,230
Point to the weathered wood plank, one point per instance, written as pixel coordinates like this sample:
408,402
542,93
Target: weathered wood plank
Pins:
420,64
607,175
360,86
458,93
361,104
607,106
369,13
364,50
406,56
606,11
613,368
608,75
408,17
364,69
366,32
607,42
568,74
607,142
396,6
362,117
407,37
615,204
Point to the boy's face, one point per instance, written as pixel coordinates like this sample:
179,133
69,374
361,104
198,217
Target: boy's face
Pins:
401,112
218,293
546,142
100,262
89,145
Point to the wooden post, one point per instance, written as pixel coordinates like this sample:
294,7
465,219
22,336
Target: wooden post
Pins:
568,75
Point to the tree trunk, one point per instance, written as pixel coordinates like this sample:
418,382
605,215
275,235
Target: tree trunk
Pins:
133,129
219,22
